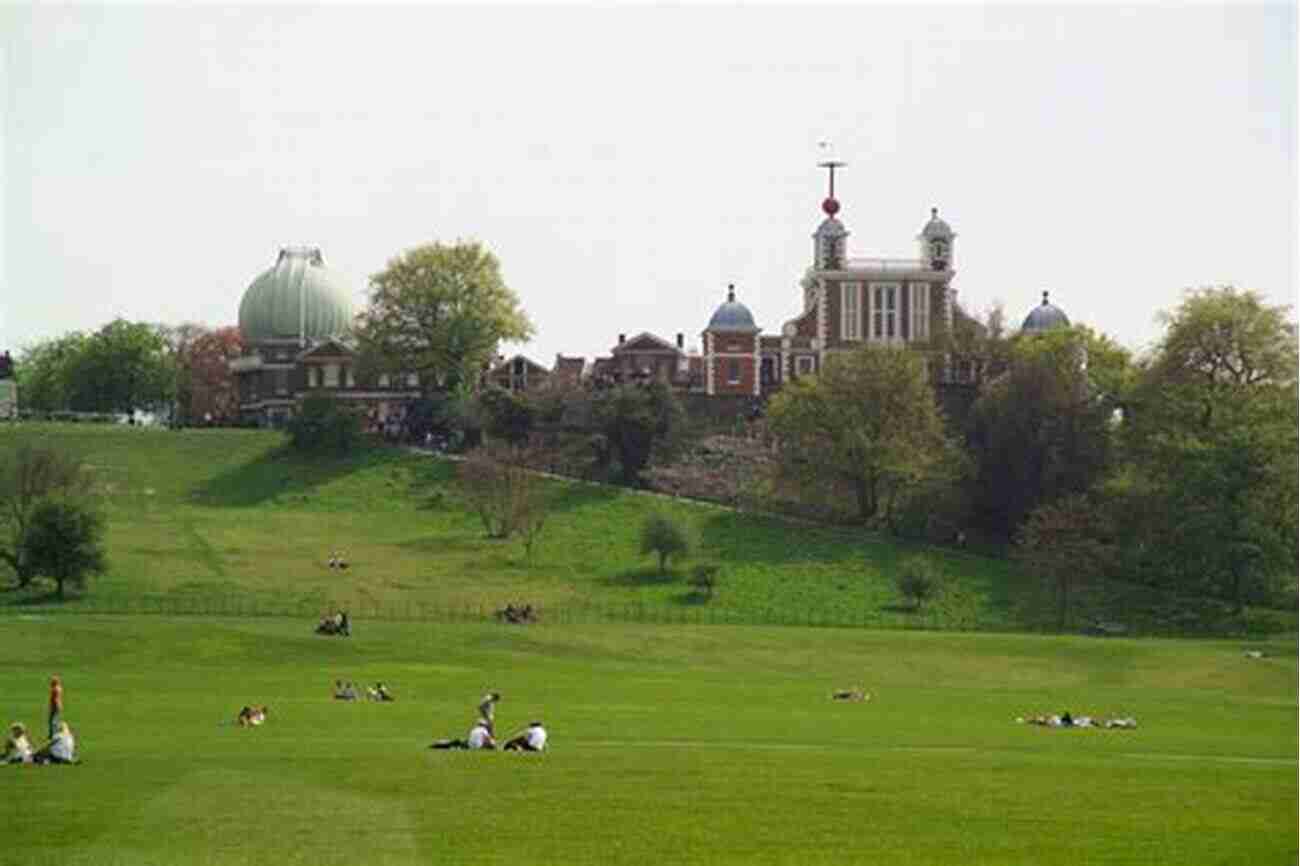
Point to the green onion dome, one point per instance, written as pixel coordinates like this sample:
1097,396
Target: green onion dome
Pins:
298,298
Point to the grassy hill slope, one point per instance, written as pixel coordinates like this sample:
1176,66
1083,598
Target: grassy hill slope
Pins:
227,521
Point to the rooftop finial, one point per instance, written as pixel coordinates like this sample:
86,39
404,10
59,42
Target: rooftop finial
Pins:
1044,297
830,205
934,213
731,293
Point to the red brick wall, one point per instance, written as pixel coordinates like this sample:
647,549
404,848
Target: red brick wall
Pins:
747,375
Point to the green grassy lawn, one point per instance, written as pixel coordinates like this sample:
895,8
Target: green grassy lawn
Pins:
226,521
669,745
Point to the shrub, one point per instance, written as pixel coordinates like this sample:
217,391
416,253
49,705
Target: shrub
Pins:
704,579
665,537
322,424
918,580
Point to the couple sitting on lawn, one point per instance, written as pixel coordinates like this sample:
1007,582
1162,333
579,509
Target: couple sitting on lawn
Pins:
348,692
61,749
336,624
531,739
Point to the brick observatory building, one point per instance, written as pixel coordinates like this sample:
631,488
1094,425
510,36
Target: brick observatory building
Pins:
847,301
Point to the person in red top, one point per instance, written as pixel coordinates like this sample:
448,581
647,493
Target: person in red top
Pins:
56,704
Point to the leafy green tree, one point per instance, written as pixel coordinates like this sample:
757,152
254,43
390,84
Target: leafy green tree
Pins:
868,420
1068,544
1045,427
30,475
44,372
323,424
1211,433
509,416
664,537
635,419
439,310
65,542
122,366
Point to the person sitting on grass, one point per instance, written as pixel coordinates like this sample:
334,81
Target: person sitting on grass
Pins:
62,749
533,739
479,738
341,691
251,717
18,749
382,693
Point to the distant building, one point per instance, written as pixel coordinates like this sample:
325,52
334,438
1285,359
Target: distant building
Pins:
8,388
517,374
846,301
294,319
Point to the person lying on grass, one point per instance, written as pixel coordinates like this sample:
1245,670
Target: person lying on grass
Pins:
251,717
1065,720
62,749
18,749
857,694
344,691
380,692
480,737
533,739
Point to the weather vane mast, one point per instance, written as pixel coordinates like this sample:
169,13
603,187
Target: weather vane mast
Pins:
830,164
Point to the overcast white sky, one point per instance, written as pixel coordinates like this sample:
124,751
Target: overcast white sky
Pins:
626,163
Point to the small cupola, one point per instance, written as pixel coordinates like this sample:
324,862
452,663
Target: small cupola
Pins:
1045,317
936,240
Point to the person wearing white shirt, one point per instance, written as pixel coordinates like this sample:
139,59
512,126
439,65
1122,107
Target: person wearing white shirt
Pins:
533,739
18,749
60,750
480,737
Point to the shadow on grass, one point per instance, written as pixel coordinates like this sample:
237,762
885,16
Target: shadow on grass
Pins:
37,596
905,609
692,598
279,474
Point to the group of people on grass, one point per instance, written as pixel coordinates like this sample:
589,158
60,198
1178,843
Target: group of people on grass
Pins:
60,748
1066,720
482,735
348,692
336,623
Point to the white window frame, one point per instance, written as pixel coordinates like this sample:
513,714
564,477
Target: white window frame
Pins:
884,307
850,311
920,312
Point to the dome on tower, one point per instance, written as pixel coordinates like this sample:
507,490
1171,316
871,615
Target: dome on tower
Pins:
733,316
298,297
936,228
1044,317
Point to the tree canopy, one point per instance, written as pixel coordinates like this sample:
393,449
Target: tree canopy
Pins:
440,310
122,366
869,420
1044,426
1212,439
29,476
